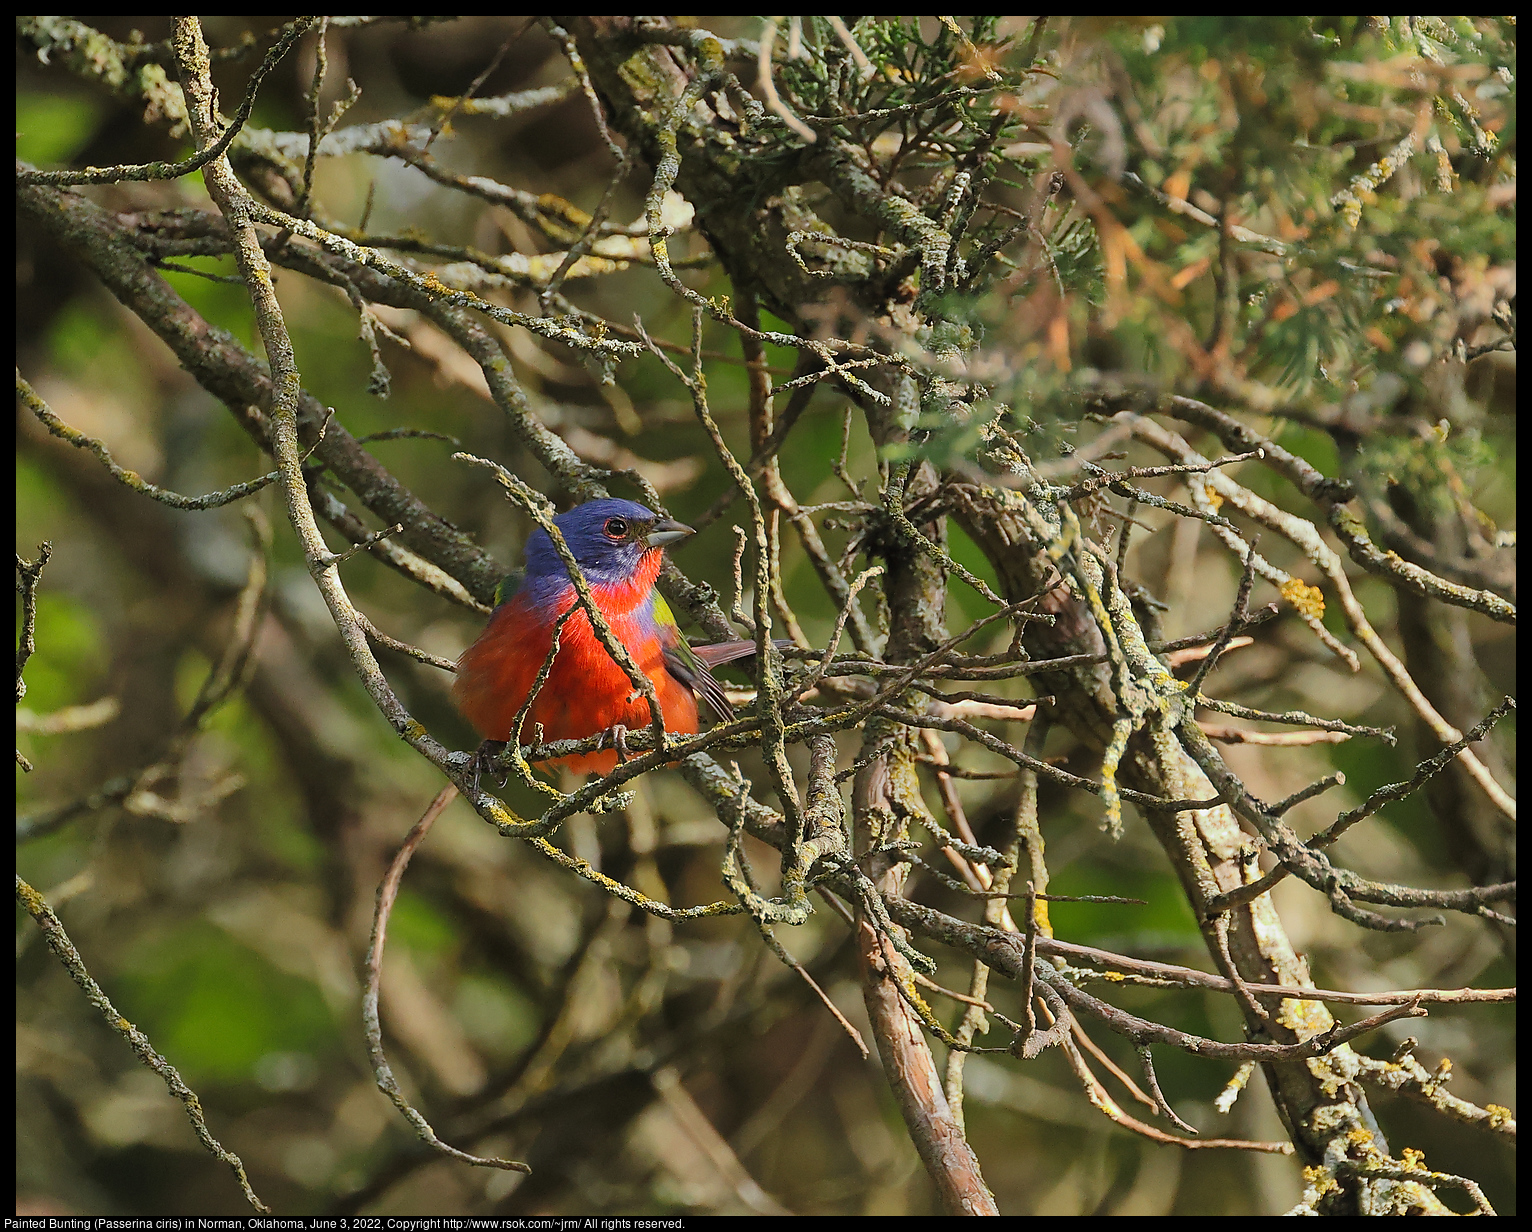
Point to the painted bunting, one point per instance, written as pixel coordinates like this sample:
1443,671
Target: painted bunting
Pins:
617,544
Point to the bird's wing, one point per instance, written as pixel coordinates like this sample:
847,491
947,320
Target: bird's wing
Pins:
683,664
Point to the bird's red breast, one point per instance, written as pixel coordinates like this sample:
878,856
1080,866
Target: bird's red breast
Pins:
586,692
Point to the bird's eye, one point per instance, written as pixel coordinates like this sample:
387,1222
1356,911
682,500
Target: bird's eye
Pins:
616,528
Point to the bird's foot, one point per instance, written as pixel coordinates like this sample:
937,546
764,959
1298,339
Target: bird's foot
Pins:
618,735
484,759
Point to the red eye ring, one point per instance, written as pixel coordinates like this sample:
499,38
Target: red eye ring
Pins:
616,528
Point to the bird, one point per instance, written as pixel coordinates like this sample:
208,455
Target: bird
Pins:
618,545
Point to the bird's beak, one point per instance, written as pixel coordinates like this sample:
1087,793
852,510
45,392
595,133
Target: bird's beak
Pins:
667,531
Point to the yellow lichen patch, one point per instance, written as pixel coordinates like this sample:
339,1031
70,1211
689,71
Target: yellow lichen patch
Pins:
1307,600
1215,497
1320,1180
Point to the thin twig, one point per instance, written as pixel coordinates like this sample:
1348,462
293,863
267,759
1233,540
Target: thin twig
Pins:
388,890
58,941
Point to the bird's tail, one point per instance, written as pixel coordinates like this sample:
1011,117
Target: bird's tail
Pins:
727,652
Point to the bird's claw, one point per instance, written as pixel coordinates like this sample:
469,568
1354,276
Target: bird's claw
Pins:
484,758
618,735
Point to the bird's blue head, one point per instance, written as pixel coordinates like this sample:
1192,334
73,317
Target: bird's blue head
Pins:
613,541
